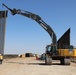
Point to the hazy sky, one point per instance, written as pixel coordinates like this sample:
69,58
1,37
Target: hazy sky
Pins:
25,35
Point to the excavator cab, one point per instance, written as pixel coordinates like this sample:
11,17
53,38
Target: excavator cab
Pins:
51,49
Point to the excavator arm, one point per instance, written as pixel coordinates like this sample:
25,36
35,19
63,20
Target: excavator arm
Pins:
38,19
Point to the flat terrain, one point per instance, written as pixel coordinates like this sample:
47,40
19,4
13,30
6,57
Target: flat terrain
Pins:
31,66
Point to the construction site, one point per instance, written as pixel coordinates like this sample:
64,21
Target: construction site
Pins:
59,57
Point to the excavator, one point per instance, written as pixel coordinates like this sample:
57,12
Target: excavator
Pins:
51,53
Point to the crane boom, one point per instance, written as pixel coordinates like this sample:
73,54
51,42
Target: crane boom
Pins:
38,19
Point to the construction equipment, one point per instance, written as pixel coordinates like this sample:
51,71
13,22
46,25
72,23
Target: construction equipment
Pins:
1,59
52,52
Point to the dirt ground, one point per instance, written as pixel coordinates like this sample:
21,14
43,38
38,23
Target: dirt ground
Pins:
31,66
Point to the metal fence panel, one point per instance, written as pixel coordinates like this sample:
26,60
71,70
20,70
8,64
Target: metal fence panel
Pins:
3,15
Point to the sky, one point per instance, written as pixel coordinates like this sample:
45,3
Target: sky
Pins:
25,35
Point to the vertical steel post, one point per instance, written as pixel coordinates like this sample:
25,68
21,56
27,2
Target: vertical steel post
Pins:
3,15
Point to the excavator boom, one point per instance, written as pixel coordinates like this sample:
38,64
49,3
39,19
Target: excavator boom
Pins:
38,19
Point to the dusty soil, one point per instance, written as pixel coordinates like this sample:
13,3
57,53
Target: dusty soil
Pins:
31,66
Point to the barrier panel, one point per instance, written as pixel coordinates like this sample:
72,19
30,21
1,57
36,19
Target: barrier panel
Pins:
3,16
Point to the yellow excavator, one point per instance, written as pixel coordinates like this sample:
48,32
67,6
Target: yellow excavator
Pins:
52,51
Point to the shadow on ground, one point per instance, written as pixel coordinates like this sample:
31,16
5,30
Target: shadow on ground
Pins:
42,64
34,63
